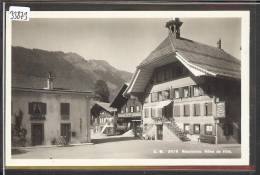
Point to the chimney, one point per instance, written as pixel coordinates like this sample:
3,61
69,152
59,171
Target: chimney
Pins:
50,80
219,44
174,27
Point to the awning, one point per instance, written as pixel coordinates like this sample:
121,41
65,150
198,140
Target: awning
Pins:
162,104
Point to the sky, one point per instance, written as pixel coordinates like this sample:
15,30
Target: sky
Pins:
124,43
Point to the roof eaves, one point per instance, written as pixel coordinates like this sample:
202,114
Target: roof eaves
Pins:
196,70
132,82
125,84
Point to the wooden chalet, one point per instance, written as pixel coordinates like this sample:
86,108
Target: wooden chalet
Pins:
103,118
128,111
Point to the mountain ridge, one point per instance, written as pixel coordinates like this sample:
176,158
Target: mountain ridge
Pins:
30,68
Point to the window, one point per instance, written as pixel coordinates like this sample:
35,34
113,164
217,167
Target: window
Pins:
186,128
196,109
176,111
186,92
131,108
165,94
64,108
137,109
196,128
176,93
122,110
208,129
126,109
196,91
37,108
208,109
186,110
153,112
154,97
146,112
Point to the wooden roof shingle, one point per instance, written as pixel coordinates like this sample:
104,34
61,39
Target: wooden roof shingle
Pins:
206,57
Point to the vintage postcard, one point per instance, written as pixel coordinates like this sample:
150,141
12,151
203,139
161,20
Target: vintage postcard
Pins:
127,88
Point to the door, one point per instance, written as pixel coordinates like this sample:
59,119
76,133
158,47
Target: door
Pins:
159,132
65,131
37,131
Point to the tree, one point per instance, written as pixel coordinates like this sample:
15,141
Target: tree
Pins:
102,90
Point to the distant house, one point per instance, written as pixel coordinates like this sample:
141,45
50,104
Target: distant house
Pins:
103,118
189,91
50,115
129,111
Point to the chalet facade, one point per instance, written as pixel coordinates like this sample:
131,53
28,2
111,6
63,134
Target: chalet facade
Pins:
50,116
129,111
103,118
189,91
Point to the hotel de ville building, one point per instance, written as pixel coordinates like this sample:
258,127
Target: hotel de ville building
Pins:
189,91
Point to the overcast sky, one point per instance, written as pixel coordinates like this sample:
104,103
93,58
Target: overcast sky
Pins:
124,43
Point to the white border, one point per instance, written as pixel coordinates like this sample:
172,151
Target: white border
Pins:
244,15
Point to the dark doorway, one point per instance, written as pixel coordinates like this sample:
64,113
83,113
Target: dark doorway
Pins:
37,131
159,132
65,131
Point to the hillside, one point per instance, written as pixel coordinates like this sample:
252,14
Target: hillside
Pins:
30,68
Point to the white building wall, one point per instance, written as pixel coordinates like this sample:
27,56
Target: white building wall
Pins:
79,109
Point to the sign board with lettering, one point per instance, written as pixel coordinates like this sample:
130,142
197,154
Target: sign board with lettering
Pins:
220,110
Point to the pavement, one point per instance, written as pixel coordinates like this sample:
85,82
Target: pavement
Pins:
119,147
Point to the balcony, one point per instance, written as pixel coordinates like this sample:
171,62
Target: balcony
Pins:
130,114
38,117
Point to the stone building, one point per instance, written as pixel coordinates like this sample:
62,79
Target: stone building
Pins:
50,115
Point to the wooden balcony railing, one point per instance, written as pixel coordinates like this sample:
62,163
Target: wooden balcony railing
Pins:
130,114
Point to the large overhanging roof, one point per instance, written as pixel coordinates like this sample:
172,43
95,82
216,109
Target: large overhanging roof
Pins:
105,106
200,59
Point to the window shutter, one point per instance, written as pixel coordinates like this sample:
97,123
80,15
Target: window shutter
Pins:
186,110
177,111
205,109
202,129
198,109
159,112
181,92
194,109
173,93
30,108
191,129
201,90
44,108
188,91
209,108
198,106
191,91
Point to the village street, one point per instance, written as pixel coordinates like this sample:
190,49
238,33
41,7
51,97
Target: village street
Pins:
129,147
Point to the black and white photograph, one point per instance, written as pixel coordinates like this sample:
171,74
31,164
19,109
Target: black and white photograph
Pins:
130,88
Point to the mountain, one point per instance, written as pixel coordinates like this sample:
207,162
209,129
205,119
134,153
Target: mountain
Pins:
30,68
